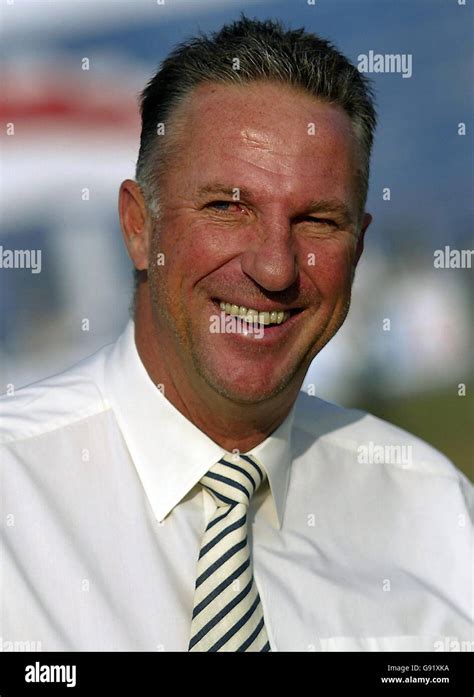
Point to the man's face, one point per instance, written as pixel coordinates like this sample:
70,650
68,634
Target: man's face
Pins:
289,243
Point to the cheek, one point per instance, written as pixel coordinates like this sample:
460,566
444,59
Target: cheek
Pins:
184,259
195,249
329,267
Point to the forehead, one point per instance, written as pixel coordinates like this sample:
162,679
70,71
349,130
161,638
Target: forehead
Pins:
266,137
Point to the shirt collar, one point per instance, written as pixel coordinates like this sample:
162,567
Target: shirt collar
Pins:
170,453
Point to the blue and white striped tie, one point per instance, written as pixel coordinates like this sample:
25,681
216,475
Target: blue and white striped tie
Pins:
228,614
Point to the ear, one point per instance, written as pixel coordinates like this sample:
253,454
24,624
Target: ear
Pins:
135,223
366,220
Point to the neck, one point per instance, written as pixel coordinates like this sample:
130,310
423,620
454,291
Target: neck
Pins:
233,425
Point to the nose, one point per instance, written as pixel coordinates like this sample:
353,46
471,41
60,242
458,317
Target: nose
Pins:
271,259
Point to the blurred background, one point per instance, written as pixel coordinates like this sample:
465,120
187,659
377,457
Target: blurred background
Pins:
76,134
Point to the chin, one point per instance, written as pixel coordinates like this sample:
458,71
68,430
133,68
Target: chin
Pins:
242,395
246,388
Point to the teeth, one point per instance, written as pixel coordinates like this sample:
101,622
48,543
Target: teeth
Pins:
251,315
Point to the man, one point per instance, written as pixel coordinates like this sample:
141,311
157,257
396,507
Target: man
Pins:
176,491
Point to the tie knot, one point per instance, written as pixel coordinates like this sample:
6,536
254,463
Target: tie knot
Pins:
234,479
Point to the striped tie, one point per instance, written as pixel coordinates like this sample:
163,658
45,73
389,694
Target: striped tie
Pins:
228,614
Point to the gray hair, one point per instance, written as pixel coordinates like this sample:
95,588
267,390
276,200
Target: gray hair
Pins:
241,52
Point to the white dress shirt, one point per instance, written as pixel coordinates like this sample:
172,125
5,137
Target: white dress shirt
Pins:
354,547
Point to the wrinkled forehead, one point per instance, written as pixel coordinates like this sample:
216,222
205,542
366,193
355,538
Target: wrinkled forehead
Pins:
267,137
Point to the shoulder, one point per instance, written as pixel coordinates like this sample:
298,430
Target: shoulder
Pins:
56,401
363,435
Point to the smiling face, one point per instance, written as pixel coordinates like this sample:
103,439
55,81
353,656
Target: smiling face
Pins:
257,212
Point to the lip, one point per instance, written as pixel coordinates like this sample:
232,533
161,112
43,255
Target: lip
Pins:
272,334
272,308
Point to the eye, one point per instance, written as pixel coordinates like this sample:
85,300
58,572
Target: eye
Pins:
224,206
320,221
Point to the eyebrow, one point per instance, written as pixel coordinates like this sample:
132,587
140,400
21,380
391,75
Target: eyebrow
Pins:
217,188
333,206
